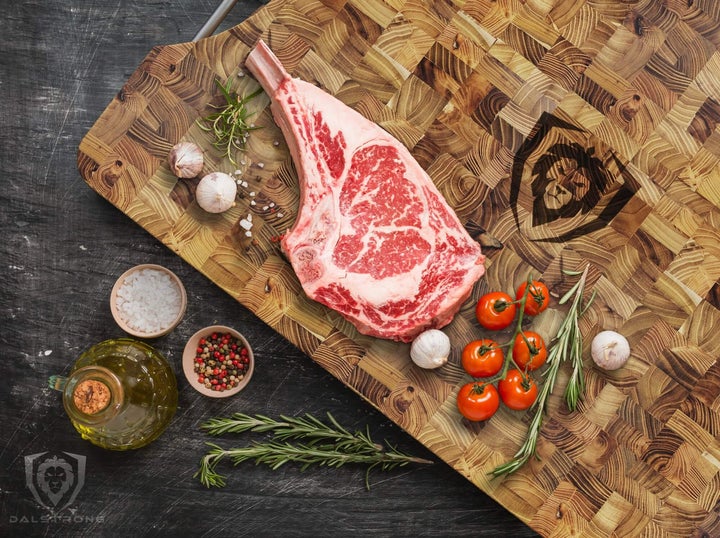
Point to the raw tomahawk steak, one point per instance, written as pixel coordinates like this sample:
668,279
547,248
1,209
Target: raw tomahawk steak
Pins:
374,239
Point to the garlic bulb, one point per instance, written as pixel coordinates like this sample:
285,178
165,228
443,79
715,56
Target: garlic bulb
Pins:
610,350
216,192
430,349
185,159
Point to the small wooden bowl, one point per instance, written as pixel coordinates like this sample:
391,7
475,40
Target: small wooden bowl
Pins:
188,362
124,324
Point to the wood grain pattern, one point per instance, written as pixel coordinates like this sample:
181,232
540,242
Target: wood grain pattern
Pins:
498,100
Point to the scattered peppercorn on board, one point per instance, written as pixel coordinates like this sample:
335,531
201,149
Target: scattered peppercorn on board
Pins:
564,133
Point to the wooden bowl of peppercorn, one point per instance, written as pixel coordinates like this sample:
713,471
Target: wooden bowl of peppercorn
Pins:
218,361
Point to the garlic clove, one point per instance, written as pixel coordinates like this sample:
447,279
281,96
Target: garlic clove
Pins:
216,192
186,159
610,350
430,349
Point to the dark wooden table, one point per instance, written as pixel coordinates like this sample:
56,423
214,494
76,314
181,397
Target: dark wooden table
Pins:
62,247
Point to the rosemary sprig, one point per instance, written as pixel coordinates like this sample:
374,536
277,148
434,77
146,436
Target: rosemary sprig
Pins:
323,445
569,341
230,124
567,346
308,428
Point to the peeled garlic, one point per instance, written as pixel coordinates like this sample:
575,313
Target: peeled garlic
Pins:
610,350
430,349
216,192
185,159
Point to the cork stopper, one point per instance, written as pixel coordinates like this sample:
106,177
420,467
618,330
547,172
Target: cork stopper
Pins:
91,396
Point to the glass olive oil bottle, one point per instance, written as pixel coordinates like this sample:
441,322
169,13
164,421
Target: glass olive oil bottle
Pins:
121,394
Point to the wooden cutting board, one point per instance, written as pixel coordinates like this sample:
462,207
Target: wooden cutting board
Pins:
498,100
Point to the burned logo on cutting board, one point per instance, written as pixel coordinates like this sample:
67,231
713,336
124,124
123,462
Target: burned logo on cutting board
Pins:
565,183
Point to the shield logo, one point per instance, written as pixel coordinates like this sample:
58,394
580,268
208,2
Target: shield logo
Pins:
566,183
55,479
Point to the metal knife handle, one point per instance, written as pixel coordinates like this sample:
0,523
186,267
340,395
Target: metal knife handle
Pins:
215,19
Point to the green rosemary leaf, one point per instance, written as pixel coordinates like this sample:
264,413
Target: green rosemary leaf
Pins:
570,293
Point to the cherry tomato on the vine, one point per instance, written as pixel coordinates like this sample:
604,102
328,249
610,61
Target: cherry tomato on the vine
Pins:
538,297
478,401
517,391
482,358
495,310
529,351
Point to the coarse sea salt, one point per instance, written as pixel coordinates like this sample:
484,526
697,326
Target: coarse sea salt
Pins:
148,300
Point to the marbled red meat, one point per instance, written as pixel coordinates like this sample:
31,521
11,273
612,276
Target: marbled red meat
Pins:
374,239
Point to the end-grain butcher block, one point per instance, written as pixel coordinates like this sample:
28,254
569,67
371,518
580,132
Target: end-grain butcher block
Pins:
374,239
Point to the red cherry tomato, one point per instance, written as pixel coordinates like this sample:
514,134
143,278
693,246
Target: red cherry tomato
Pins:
529,352
517,391
495,310
482,358
538,297
478,401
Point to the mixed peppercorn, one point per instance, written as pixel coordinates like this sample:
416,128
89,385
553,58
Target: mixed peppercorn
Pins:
221,361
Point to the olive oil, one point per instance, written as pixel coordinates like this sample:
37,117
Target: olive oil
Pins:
120,395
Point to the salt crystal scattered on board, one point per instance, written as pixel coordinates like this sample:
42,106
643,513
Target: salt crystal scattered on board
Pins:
246,223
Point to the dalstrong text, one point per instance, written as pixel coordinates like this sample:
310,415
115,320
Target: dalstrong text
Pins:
56,518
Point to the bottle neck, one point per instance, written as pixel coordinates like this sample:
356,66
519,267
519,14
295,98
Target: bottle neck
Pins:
93,395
